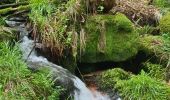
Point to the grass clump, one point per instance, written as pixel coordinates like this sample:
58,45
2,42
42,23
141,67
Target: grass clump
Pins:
145,30
53,23
143,87
19,83
151,44
109,78
6,34
155,71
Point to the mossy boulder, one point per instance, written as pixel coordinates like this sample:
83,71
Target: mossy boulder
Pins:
109,38
165,23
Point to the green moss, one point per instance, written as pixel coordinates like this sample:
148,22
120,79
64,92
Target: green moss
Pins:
8,10
165,23
109,78
149,43
143,87
122,23
4,11
161,3
153,45
109,38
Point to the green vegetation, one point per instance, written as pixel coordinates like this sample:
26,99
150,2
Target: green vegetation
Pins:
153,45
155,71
6,34
17,82
109,38
70,33
143,87
161,3
51,22
166,46
109,78
145,30
165,24
2,21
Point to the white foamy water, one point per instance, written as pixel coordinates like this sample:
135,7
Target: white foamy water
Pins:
85,94
80,93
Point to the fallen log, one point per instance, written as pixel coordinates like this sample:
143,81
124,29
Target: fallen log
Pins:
11,10
13,5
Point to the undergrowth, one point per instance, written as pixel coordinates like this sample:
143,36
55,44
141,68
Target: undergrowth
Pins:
19,83
156,71
143,87
54,23
166,46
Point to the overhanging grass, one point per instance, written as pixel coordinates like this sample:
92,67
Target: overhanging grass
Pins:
17,82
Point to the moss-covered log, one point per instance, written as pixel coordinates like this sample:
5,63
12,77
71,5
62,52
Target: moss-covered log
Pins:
13,5
10,10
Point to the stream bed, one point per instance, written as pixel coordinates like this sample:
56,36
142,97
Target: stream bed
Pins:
78,88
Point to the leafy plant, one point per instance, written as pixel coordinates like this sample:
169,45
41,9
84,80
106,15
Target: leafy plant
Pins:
145,30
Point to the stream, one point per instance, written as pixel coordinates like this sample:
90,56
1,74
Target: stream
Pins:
79,89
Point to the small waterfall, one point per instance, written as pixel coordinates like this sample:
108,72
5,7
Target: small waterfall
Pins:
64,77
85,94
80,93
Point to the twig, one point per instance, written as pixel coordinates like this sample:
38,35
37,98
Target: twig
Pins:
30,52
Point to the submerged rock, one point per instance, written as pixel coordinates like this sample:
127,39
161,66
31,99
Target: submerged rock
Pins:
108,38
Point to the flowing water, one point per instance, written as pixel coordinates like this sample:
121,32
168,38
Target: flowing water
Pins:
80,91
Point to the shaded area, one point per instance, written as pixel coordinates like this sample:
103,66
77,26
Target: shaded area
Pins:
133,65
